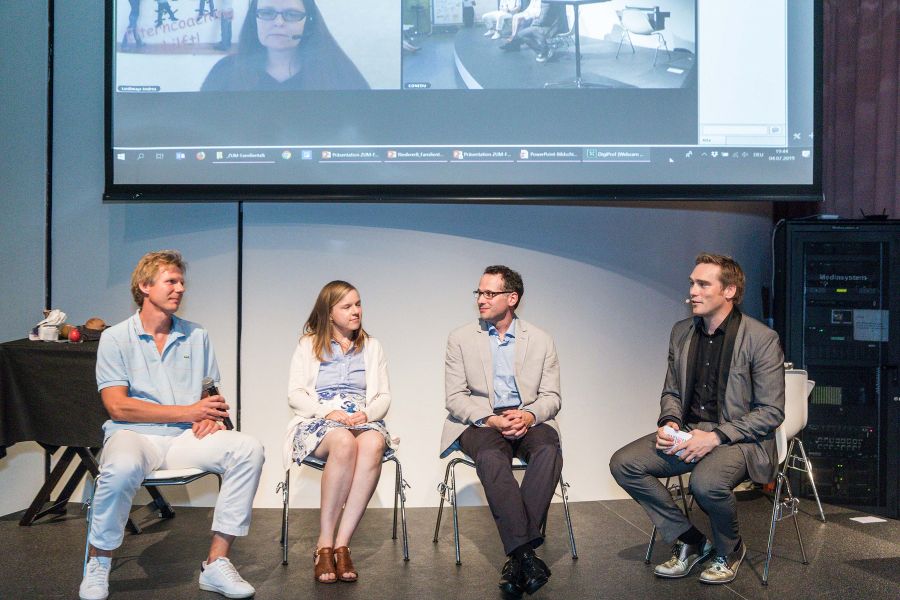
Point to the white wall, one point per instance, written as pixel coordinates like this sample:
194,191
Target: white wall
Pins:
606,281
23,95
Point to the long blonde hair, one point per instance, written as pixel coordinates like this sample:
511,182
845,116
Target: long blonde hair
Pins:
319,325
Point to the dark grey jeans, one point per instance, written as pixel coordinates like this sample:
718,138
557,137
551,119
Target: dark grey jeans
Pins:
638,466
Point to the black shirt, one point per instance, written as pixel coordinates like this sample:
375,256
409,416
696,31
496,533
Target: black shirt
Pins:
706,386
704,404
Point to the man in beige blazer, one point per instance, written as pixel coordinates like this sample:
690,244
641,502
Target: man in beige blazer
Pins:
502,395
725,386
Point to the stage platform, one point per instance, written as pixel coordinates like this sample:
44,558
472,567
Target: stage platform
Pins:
847,559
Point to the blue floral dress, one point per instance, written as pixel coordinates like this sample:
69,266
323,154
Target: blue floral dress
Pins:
341,385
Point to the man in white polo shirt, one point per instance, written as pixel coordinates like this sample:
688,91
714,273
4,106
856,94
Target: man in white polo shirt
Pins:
150,369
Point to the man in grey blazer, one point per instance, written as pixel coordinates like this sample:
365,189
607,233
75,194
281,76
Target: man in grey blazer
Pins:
502,394
724,386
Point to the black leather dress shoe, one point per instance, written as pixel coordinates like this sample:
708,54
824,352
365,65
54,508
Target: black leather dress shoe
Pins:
535,573
510,575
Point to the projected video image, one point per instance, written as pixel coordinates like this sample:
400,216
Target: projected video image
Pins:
256,45
532,44
486,93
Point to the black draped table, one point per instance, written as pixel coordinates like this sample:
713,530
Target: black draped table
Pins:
48,394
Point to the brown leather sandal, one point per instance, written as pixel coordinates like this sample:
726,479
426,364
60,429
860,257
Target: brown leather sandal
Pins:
343,564
324,565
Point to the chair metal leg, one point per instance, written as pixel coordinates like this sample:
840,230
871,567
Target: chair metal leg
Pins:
661,41
787,459
448,492
87,536
778,484
442,489
625,35
396,495
400,494
401,491
795,512
781,509
812,481
162,506
563,488
650,546
453,504
284,488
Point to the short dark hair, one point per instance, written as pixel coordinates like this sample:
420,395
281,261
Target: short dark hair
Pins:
512,281
731,272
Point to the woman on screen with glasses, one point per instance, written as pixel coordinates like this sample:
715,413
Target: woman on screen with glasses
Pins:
285,45
339,392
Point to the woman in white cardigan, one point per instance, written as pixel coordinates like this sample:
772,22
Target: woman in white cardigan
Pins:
340,394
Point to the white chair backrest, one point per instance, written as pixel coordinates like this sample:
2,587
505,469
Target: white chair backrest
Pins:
636,21
796,409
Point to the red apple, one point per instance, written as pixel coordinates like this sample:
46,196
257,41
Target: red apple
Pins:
75,335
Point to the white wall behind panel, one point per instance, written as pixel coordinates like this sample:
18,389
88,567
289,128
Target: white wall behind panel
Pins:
23,98
607,282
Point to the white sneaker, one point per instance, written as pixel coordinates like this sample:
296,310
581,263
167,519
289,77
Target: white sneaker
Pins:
95,585
221,576
489,33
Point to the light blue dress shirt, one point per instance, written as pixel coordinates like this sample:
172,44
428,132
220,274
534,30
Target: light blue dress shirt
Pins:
503,353
342,373
127,356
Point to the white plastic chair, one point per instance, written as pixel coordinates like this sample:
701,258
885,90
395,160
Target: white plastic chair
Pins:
797,388
447,489
637,21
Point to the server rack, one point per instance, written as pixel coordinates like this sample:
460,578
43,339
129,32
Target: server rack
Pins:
837,310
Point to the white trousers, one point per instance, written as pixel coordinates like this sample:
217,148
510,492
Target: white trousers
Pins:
129,456
496,19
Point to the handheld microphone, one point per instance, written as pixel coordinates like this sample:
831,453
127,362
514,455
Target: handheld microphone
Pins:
209,388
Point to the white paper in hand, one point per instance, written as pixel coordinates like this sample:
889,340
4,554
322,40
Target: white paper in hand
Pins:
680,436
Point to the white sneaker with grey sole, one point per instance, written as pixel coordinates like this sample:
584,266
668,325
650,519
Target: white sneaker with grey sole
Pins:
221,576
95,585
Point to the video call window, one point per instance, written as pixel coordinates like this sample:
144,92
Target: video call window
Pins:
438,92
501,44
212,45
